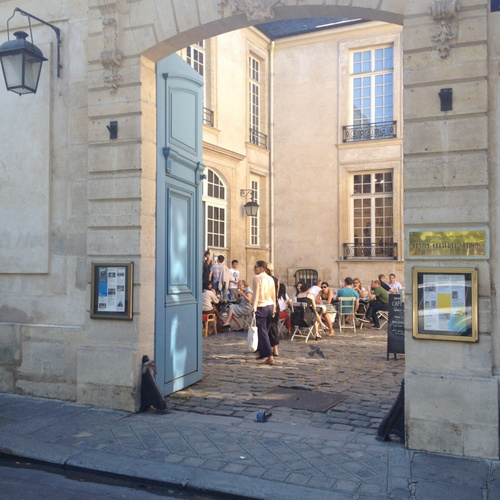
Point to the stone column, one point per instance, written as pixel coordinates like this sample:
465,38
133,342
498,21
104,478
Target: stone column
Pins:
451,387
121,196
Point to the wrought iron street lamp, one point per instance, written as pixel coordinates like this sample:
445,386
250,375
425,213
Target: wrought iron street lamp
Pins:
22,60
251,207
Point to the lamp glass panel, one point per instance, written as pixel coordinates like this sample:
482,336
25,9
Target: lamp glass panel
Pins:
32,68
13,70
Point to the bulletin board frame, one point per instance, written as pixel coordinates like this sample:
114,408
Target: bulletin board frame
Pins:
445,304
111,291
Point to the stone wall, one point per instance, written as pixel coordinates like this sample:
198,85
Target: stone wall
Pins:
101,195
451,388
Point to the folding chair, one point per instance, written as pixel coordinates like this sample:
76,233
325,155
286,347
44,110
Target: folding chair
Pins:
303,318
247,320
383,317
361,313
282,328
347,306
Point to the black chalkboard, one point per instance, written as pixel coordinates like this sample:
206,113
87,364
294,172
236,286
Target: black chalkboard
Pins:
396,328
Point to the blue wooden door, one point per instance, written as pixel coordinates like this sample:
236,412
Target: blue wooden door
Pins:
178,338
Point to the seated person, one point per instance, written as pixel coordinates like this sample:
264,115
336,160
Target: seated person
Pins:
326,297
208,299
316,287
242,308
394,285
363,296
362,291
305,293
347,291
379,301
382,280
298,289
283,301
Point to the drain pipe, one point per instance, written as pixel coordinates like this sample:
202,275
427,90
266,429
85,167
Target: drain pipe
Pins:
271,149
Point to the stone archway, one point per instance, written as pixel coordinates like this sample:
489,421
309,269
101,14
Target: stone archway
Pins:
451,389
216,17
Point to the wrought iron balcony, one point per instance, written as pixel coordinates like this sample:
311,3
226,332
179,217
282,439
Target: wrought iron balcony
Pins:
258,138
370,131
381,250
208,117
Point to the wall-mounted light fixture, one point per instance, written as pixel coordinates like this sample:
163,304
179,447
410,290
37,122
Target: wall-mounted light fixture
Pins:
22,61
446,96
251,207
113,130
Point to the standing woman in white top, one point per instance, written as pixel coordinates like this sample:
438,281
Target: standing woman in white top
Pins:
263,306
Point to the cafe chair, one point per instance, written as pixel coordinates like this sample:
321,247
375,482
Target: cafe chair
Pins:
347,306
247,321
209,319
282,328
383,317
361,313
303,318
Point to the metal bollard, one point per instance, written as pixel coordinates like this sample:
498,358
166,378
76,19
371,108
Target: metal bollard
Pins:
151,394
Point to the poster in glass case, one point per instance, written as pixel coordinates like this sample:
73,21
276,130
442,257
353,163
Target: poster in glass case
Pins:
111,291
445,304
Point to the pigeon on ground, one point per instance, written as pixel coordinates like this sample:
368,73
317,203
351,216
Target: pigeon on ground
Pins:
315,351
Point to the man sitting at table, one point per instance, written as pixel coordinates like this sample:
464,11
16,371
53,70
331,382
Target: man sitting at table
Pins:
379,301
382,281
348,292
395,285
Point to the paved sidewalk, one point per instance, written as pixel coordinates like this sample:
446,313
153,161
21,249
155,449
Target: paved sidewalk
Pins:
236,455
210,440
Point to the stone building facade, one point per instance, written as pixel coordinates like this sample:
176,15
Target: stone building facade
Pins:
337,153
71,196
235,152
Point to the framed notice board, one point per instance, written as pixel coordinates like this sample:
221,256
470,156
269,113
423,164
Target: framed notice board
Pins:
445,304
111,291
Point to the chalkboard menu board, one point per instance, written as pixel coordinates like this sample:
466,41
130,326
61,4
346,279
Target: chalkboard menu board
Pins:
396,328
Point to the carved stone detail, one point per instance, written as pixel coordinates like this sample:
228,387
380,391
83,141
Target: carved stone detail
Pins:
443,12
255,10
111,56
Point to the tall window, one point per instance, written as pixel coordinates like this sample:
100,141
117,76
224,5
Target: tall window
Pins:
215,210
196,57
372,209
254,99
254,221
372,79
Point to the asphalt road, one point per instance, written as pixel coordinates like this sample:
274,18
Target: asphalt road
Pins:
22,480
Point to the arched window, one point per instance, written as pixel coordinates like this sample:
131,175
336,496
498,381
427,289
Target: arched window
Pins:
306,275
214,211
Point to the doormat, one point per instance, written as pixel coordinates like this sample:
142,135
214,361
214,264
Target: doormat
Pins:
298,399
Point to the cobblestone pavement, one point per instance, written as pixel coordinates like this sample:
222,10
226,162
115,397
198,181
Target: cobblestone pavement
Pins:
355,364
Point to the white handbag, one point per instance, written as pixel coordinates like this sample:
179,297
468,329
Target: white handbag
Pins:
252,336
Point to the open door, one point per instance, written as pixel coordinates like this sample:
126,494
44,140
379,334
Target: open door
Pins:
178,338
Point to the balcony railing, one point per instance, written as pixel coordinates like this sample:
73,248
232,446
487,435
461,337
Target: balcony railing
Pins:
371,251
208,117
370,131
258,138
